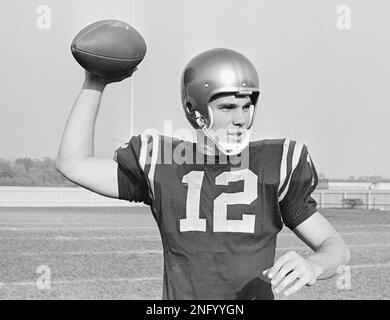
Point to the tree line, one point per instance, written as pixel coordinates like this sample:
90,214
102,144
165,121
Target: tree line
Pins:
31,172
42,173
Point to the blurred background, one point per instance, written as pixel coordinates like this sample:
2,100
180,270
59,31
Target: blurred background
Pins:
324,72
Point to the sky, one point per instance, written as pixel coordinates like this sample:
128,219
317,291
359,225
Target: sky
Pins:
320,84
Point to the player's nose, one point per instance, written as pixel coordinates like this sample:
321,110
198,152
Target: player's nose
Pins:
239,118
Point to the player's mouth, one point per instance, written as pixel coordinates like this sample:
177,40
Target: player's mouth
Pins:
236,134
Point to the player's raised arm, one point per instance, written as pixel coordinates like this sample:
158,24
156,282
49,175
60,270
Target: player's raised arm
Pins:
109,51
76,160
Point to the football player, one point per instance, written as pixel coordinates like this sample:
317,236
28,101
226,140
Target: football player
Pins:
219,203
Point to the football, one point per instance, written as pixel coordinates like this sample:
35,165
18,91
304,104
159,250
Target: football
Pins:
109,48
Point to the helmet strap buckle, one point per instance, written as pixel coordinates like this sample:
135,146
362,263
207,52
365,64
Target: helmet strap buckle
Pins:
200,120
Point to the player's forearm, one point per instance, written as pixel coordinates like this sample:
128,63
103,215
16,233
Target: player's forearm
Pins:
332,254
78,138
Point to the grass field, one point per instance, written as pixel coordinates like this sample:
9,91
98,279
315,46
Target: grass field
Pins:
115,253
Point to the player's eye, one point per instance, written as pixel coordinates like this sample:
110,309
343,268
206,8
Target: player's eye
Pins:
226,107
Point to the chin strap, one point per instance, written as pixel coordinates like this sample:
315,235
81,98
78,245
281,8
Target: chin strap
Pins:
229,149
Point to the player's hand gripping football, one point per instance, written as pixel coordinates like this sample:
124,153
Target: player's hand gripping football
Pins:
92,78
293,270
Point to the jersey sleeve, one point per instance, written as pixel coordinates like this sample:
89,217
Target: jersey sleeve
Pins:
295,201
132,183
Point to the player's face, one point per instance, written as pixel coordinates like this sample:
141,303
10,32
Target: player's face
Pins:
232,115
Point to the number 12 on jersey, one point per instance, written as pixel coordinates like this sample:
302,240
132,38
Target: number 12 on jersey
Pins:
221,223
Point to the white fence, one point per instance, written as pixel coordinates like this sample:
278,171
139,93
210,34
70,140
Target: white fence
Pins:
79,197
55,197
369,199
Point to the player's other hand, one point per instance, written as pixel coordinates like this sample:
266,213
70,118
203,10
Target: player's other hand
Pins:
292,269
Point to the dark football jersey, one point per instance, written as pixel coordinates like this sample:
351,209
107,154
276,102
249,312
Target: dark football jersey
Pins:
218,216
